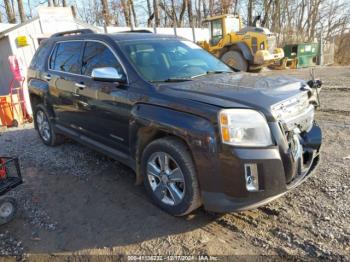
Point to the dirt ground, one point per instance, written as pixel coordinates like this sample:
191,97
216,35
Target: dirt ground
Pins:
77,201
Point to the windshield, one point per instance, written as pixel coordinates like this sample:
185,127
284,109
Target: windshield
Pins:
160,60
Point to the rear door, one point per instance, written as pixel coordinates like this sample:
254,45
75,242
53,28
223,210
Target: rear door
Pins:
64,78
105,106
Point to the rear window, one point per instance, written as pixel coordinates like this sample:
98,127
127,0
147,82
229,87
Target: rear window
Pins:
39,59
66,57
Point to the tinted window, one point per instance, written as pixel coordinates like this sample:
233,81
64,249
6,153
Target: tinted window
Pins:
66,57
39,59
98,55
162,60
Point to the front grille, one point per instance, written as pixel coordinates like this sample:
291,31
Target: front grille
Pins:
295,112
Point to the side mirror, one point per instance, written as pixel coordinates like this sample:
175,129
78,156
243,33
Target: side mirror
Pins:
107,74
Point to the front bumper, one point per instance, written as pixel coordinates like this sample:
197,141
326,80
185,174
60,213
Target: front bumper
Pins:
278,169
264,57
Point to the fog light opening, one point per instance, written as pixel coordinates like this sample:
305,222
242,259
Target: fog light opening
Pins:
251,177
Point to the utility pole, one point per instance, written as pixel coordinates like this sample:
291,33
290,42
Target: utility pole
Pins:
321,47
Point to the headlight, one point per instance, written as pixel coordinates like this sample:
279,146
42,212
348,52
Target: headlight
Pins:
244,127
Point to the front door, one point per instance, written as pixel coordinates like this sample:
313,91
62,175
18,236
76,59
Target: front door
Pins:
105,106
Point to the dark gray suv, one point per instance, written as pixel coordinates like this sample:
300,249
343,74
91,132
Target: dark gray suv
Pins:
194,131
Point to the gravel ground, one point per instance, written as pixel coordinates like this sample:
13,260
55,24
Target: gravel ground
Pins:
77,201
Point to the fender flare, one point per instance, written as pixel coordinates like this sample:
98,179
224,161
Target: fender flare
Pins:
243,48
149,122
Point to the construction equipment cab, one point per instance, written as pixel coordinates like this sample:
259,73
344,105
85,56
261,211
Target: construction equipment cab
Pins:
244,49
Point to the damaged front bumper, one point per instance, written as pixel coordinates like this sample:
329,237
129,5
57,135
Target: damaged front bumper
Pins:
279,169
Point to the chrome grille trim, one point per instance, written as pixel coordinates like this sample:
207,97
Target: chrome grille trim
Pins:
295,112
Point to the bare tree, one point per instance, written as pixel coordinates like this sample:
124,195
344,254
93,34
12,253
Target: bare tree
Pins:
132,7
11,17
250,12
105,12
21,12
156,12
64,3
126,12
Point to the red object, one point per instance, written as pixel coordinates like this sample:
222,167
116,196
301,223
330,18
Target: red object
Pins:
6,112
18,106
16,68
2,169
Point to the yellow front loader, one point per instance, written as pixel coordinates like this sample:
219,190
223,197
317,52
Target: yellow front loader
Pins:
242,48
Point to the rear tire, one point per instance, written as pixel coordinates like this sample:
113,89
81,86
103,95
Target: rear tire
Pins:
169,176
43,124
235,60
8,209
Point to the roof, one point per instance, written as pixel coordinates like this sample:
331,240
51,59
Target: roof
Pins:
118,37
138,36
5,26
3,33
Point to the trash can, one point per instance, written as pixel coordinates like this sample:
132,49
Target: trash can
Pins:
305,54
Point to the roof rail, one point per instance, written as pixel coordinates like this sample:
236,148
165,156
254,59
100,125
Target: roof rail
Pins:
74,32
137,31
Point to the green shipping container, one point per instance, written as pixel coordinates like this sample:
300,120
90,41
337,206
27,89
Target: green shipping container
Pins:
306,53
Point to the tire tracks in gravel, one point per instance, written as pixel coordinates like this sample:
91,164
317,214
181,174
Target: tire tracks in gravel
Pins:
257,228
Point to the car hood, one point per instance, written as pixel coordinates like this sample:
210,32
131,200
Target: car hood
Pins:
257,91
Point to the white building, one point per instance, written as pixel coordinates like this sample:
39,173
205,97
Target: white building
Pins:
50,20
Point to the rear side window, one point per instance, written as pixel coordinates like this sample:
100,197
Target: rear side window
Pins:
39,60
98,55
66,57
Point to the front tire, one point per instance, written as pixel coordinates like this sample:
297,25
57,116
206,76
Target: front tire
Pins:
45,127
170,177
235,60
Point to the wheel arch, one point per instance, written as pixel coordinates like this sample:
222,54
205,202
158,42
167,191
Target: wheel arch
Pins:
241,47
153,122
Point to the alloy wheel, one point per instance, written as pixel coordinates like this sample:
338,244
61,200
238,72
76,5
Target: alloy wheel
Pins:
166,178
43,125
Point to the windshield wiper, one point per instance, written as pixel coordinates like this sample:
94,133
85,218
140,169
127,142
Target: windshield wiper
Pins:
169,80
211,73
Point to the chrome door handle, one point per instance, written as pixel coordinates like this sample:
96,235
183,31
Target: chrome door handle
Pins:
80,86
47,77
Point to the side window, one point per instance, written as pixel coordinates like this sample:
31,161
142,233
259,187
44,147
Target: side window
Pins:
66,57
98,55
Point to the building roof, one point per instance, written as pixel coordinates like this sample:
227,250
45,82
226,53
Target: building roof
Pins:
16,26
5,26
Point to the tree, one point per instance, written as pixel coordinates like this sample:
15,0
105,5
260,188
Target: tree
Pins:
156,12
132,7
22,14
105,12
11,17
126,12
149,13
250,12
